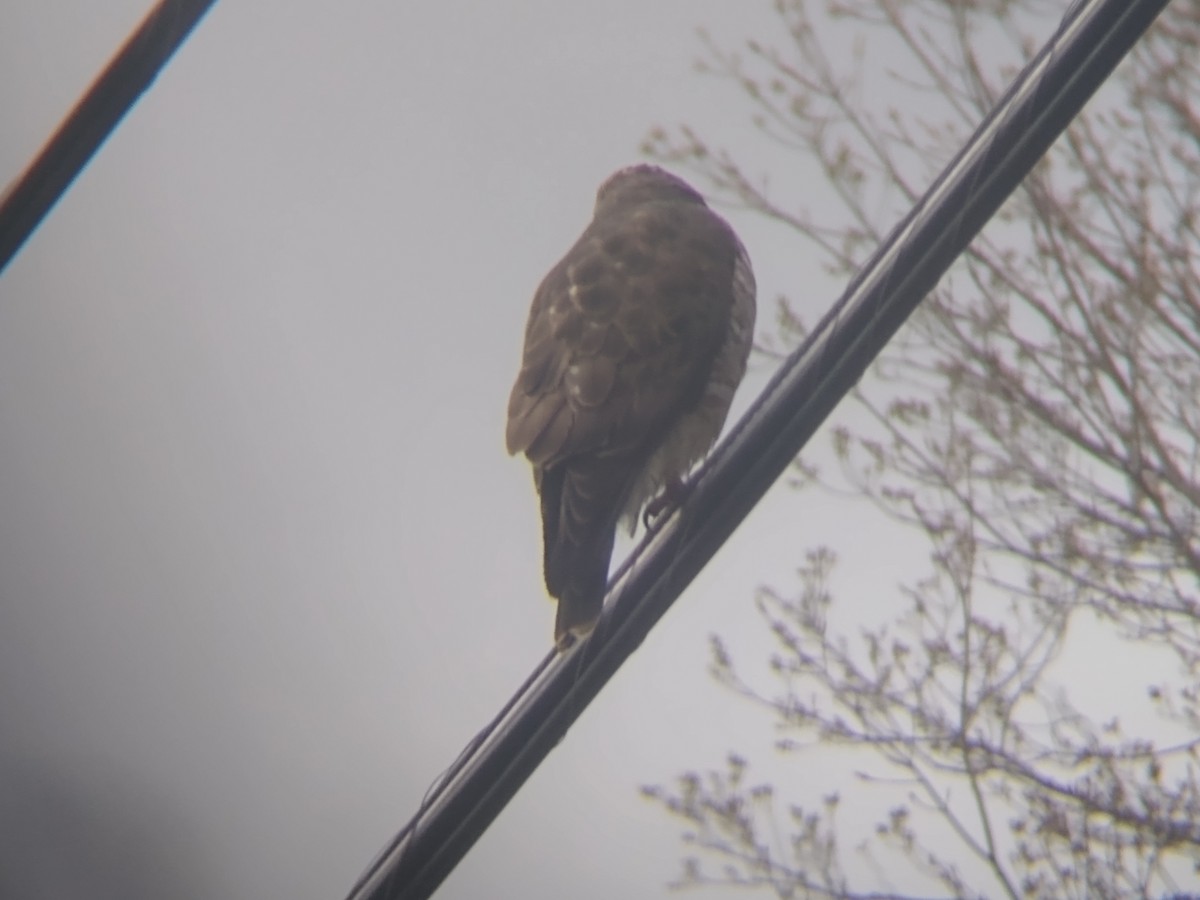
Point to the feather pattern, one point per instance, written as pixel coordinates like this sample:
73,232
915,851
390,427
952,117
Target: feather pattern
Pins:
635,343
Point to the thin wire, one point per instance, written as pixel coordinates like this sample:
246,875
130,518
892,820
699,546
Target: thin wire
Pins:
130,72
1092,39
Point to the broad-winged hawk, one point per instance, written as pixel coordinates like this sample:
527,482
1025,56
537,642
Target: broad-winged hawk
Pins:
634,346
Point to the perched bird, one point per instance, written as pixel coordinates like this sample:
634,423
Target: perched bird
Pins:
634,346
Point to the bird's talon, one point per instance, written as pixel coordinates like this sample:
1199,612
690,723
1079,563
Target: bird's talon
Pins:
668,499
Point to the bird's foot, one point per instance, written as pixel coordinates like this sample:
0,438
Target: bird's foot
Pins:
672,494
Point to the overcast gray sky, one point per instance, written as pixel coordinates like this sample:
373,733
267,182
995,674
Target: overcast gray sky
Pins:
264,565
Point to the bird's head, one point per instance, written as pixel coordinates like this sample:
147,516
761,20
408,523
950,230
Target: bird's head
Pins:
634,185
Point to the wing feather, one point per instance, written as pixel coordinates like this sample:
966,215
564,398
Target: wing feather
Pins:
622,333
621,343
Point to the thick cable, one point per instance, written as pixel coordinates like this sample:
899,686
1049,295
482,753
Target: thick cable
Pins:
1035,110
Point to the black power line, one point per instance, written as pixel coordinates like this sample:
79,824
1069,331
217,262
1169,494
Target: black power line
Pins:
1050,91
128,74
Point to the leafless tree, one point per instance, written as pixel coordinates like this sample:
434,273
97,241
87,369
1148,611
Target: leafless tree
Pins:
1036,424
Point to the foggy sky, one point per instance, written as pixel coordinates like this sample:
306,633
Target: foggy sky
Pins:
264,565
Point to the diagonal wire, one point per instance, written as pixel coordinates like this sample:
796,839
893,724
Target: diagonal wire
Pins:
1038,106
128,74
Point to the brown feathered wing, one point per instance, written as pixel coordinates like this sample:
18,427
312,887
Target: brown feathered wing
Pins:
619,345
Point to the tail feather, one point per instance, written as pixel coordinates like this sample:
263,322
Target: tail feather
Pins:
580,505
578,610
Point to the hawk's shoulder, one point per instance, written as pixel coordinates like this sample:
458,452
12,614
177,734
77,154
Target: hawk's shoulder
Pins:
624,328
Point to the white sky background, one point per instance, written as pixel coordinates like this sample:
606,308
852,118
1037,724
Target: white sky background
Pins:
264,565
